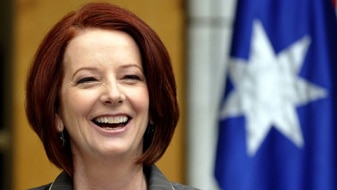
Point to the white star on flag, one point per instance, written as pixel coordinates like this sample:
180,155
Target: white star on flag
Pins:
267,90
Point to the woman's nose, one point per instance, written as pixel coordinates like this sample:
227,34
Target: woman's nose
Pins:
112,94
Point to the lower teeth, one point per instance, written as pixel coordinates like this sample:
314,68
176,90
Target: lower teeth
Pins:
111,128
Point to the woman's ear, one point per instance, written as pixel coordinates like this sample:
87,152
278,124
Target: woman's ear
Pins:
59,123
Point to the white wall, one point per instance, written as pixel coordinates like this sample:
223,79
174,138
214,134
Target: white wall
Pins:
209,32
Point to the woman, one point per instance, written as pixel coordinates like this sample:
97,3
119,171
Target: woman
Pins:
101,96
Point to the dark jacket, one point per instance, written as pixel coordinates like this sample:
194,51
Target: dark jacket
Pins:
156,179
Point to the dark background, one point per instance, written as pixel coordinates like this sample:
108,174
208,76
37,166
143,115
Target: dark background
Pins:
6,30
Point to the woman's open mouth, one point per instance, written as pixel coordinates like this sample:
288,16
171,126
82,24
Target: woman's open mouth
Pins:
111,123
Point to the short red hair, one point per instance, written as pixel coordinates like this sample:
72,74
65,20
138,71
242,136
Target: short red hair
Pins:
47,70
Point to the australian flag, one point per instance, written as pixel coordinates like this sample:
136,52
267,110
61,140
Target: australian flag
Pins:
278,116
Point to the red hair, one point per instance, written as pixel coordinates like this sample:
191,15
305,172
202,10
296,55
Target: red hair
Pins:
47,70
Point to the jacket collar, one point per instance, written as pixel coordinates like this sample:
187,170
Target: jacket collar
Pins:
156,180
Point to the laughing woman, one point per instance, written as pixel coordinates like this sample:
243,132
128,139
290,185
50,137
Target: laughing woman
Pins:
101,96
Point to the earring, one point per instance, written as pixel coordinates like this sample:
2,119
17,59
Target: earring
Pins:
149,130
148,136
62,137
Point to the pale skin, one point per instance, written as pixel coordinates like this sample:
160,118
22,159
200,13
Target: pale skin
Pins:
104,82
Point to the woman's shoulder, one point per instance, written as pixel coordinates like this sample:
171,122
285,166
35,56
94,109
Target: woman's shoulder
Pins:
177,186
62,182
157,181
43,187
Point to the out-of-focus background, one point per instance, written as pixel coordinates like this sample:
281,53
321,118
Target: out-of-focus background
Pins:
198,36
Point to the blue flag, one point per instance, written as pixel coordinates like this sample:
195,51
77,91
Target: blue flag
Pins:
278,117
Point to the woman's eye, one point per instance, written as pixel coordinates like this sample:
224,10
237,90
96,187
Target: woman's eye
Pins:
132,77
86,80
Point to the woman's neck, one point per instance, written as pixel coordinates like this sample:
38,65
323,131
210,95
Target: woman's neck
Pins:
108,174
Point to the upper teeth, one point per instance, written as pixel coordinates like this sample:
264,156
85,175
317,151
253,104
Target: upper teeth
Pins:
112,120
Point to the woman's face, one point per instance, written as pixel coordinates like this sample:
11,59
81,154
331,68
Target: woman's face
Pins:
104,96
